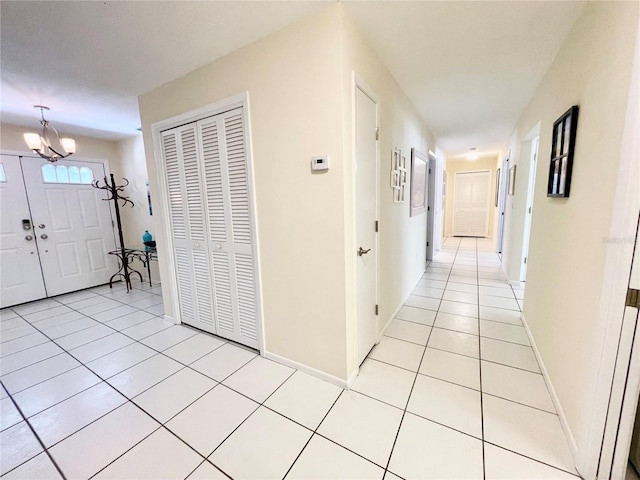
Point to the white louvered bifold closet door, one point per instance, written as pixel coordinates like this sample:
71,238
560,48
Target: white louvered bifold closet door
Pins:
186,208
216,276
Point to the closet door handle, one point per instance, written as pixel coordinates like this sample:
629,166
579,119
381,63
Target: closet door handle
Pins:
44,236
28,238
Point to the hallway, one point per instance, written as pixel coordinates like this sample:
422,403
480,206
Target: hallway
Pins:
114,391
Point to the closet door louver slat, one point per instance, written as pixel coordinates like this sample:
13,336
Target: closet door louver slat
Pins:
238,188
208,184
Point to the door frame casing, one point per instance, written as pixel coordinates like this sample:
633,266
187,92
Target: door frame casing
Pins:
502,204
607,404
431,203
20,154
170,284
357,82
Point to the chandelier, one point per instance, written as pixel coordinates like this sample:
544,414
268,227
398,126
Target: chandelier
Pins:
41,143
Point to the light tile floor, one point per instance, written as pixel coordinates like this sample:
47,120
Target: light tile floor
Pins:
96,384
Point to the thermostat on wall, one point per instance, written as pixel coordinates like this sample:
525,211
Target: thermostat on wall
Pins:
320,163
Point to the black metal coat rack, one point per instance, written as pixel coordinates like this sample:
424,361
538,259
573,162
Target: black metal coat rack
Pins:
122,254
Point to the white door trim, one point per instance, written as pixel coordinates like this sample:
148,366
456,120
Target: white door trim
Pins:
431,203
358,82
615,281
170,284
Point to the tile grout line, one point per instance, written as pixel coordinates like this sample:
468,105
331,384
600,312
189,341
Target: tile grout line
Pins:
128,400
37,437
404,413
118,391
484,467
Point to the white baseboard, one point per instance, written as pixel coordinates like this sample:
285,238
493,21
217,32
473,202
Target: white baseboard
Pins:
169,318
554,396
393,315
399,307
314,372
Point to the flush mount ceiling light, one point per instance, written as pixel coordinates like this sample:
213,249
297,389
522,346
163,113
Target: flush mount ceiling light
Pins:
41,143
472,155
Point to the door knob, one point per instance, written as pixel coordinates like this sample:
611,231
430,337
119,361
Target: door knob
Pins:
42,225
28,238
44,236
362,251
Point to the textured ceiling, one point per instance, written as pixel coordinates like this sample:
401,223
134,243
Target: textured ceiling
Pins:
469,67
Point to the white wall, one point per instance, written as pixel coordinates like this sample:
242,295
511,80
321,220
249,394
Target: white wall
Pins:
569,236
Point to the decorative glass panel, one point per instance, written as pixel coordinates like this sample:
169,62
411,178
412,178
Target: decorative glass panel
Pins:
74,175
49,173
86,175
62,174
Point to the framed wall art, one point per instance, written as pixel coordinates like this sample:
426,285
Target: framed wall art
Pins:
562,149
419,165
497,187
398,175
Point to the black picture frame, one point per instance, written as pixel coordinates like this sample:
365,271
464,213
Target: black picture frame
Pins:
497,186
562,150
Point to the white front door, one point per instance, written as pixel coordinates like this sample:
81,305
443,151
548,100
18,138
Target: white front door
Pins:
21,277
72,223
366,209
471,200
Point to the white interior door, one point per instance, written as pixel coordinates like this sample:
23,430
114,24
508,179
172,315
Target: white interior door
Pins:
366,208
207,165
502,202
431,206
20,276
529,212
72,223
471,200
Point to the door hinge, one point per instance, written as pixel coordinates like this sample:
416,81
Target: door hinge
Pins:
633,298
376,225
377,133
529,209
525,260
429,171
428,209
427,244
376,309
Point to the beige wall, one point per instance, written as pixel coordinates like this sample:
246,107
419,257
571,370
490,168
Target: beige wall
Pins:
131,164
11,138
294,82
456,166
568,238
402,239
299,85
